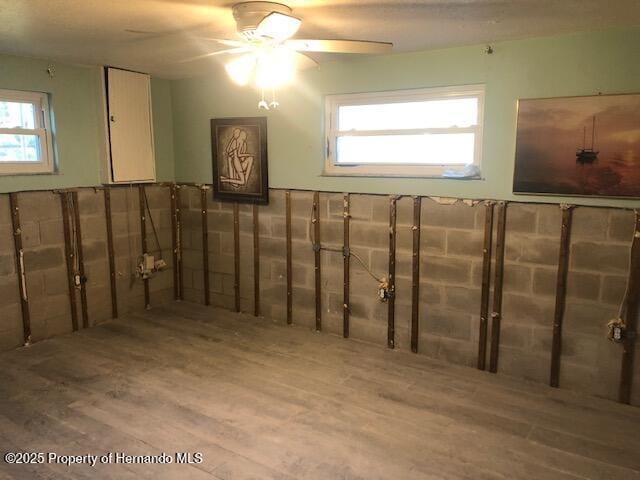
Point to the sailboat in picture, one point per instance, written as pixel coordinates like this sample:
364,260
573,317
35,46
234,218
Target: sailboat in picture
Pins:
587,156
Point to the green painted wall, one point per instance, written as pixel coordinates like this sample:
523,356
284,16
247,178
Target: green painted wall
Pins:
75,96
581,64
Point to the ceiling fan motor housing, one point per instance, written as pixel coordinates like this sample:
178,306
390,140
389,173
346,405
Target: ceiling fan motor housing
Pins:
249,14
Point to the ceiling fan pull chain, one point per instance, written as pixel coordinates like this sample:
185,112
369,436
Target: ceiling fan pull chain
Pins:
274,103
263,104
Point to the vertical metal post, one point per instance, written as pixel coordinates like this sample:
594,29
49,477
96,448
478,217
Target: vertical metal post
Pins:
143,240
256,262
178,213
561,291
415,280
20,268
70,259
79,252
316,249
287,197
486,284
236,255
631,317
346,262
111,252
174,241
496,314
391,313
205,244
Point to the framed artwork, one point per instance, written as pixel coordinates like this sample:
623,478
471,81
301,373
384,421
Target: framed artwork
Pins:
583,146
239,149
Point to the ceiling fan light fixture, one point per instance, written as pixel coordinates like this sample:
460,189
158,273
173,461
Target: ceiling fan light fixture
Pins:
241,69
277,26
275,67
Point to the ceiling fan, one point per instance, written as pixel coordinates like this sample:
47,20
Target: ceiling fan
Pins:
269,56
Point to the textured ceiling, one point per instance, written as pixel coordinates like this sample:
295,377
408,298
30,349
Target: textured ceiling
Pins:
153,35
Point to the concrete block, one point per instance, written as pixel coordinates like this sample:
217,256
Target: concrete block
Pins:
95,250
6,238
360,207
9,293
516,335
30,234
600,257
43,258
462,298
445,270
7,265
433,241
369,235
542,339
465,243
589,223
517,278
458,215
35,284
447,323
36,206
527,249
583,285
587,317
613,288
621,225
299,228
431,293
581,348
52,232
549,220
90,202
272,248
94,227
301,204
522,218
544,281
217,221
5,210
529,310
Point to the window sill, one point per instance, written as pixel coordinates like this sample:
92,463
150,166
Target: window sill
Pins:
401,175
441,172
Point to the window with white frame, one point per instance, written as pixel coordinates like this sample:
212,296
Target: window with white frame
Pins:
25,133
430,132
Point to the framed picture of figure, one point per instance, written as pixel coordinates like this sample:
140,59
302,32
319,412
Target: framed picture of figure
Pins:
583,146
239,149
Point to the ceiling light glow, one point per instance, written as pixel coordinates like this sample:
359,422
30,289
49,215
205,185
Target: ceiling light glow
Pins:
241,69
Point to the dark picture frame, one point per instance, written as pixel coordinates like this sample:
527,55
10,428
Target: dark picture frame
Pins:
578,146
239,159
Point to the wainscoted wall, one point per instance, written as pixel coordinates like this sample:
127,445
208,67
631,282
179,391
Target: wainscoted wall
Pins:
451,261
43,242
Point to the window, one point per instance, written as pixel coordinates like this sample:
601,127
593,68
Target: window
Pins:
423,132
25,133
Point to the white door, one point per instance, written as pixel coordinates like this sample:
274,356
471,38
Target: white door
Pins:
130,126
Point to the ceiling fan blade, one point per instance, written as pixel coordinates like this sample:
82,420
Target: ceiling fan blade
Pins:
340,46
304,61
224,41
228,51
278,26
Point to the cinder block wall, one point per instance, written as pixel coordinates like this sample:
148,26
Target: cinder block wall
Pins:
450,273
45,267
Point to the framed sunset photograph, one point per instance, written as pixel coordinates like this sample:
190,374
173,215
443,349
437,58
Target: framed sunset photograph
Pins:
582,146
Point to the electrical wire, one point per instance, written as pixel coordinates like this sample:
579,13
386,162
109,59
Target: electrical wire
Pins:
380,280
623,305
153,226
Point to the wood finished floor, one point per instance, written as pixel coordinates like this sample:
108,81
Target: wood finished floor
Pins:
265,401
